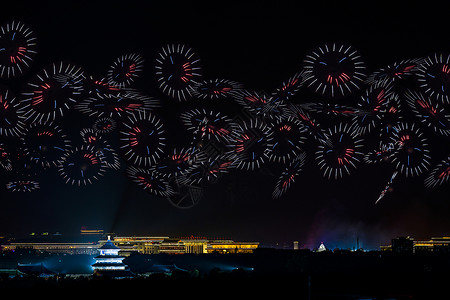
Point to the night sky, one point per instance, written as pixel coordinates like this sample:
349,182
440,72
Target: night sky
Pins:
258,46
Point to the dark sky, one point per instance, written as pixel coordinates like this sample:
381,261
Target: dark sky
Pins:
259,46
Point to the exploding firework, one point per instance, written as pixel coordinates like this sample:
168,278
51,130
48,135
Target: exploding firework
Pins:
215,89
208,124
45,143
22,186
313,128
341,154
97,87
177,70
5,159
143,138
429,112
411,156
373,105
210,170
12,116
381,154
253,138
52,92
18,48
439,174
81,166
395,71
334,70
116,105
289,87
262,104
434,77
125,70
150,181
287,177
330,109
101,147
288,137
179,162
104,125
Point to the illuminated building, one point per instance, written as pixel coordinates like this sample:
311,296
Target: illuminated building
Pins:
409,245
133,244
189,245
403,245
321,248
109,258
295,245
141,245
229,246
67,248
85,231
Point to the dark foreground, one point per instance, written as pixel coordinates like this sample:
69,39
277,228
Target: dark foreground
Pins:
268,272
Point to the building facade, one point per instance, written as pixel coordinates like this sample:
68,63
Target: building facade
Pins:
409,245
67,248
109,258
191,245
143,245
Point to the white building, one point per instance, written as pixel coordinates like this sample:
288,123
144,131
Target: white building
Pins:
109,259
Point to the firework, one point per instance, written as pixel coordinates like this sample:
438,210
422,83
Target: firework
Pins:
274,110
208,124
387,188
101,148
394,72
288,137
150,181
125,69
287,177
381,154
433,76
330,109
209,170
429,112
116,105
253,138
373,105
341,154
215,89
12,116
22,186
143,138
18,48
52,92
262,104
179,162
334,70
252,101
439,174
289,87
81,166
97,87
104,125
45,143
5,159
411,156
177,70
313,128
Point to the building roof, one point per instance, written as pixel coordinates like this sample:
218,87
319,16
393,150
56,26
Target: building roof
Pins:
109,245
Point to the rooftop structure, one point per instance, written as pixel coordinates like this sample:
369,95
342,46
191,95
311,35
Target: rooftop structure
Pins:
110,261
